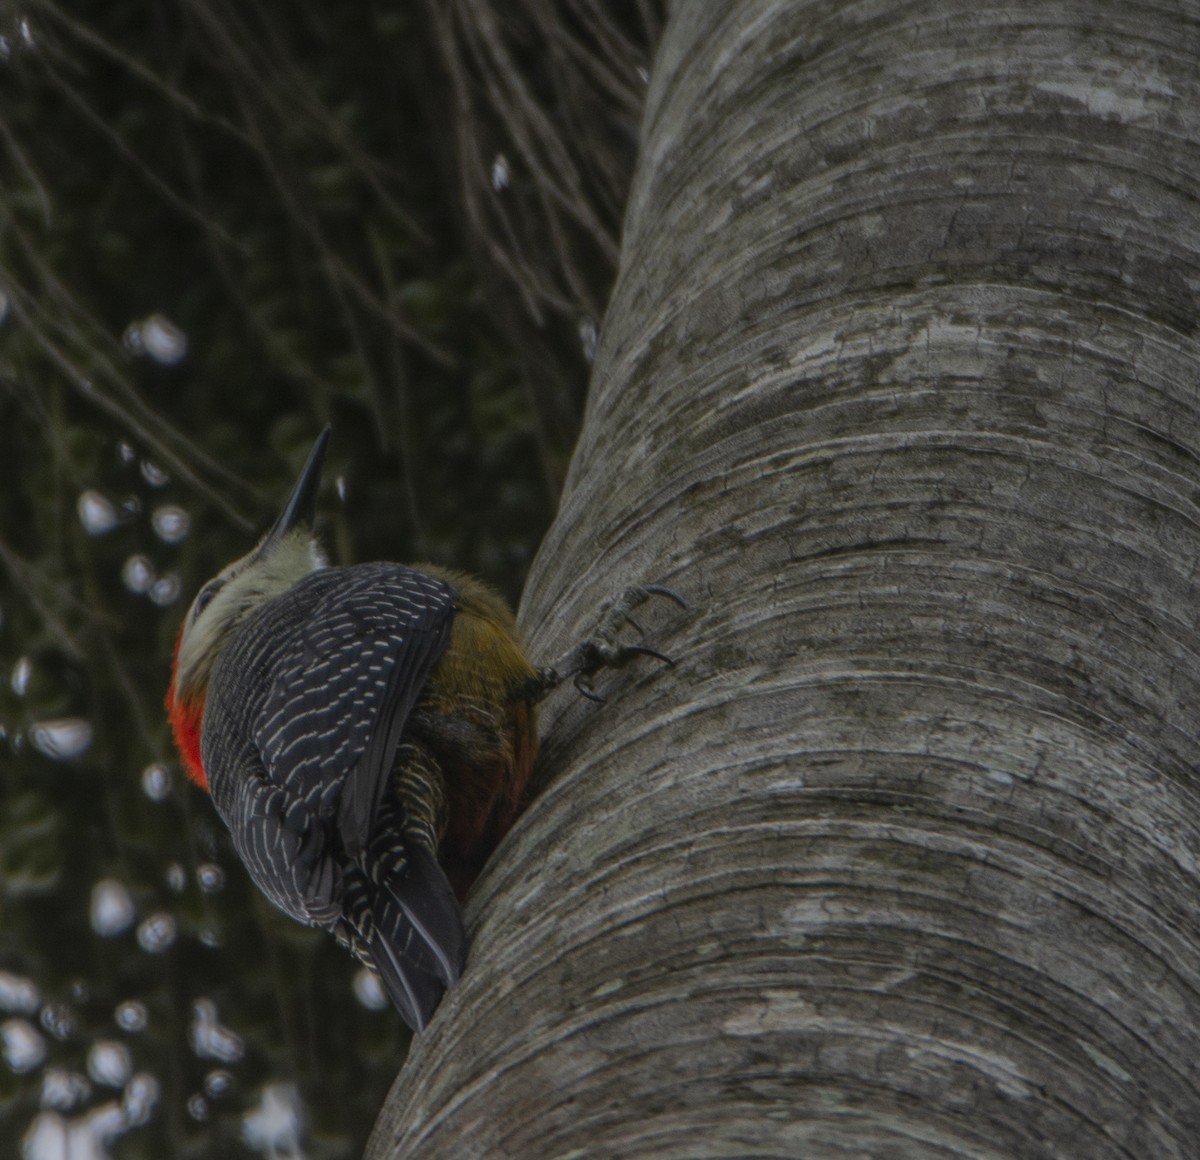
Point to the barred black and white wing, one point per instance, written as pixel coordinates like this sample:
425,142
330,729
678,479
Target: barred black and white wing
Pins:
342,688
304,716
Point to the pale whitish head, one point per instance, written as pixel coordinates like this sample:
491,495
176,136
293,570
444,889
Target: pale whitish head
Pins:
228,598
284,556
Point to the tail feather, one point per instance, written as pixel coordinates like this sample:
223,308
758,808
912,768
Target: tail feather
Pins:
425,899
406,924
413,992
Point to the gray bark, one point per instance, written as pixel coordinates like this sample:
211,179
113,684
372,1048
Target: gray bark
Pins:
898,387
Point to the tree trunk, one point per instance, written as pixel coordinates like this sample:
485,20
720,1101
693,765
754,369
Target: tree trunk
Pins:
897,387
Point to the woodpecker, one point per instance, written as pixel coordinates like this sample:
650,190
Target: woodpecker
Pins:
367,734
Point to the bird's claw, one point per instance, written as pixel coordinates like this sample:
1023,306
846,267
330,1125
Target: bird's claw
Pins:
658,590
627,650
602,649
582,683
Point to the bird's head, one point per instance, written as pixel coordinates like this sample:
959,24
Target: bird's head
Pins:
283,557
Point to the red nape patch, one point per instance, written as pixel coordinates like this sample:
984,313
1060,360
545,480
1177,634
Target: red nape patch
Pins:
185,724
186,718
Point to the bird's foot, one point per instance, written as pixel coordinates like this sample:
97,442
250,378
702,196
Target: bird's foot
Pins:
603,649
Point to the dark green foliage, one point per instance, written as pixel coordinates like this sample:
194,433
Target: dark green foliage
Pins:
303,192
272,181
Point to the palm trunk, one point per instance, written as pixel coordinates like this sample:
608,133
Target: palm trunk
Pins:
897,387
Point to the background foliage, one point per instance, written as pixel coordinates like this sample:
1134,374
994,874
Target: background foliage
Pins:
220,226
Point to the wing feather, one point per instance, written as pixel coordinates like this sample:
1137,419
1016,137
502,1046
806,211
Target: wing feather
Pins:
306,707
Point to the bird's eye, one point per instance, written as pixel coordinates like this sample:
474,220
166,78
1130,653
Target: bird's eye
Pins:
205,598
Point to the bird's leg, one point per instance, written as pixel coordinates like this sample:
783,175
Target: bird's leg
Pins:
602,648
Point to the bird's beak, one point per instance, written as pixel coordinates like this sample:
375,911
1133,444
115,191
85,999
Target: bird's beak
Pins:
301,507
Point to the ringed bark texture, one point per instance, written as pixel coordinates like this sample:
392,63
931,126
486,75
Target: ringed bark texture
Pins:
899,388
